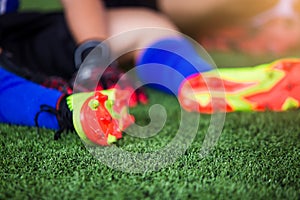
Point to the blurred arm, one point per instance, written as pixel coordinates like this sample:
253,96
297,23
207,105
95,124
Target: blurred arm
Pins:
86,19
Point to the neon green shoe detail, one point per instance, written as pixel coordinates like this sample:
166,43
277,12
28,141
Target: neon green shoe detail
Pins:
94,116
111,139
274,86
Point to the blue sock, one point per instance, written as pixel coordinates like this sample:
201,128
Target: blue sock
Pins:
168,62
20,100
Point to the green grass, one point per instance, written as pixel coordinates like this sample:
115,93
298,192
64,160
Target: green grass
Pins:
40,5
256,157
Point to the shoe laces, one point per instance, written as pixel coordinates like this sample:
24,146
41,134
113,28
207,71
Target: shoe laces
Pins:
63,116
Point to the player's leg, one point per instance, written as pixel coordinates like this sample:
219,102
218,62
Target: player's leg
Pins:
21,100
187,66
155,34
25,103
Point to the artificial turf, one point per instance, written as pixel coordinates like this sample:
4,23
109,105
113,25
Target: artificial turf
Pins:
256,157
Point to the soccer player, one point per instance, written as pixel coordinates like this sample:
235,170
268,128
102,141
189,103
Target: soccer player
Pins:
50,42
43,44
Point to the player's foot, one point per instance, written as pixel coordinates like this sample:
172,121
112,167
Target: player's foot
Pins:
100,117
274,87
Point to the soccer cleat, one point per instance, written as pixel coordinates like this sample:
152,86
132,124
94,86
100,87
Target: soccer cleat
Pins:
100,117
274,86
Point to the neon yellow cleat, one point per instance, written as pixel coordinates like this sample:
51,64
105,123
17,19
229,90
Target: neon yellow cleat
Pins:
100,117
274,87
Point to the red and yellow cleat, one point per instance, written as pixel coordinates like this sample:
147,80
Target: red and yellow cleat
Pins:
100,117
274,87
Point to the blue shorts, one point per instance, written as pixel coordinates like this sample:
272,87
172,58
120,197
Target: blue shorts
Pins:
7,6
